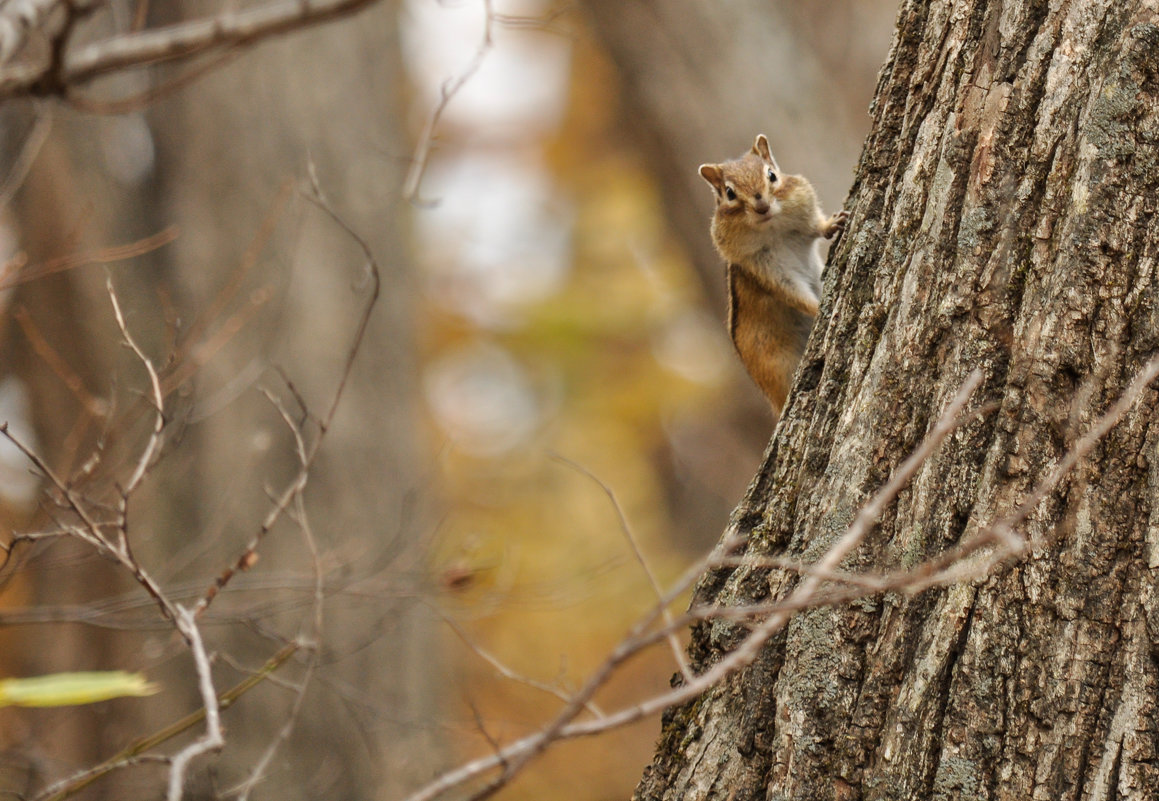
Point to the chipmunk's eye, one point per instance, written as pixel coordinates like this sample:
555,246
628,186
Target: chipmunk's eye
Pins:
772,176
729,193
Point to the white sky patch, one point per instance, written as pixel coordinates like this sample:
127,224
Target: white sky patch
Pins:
486,257
519,91
483,399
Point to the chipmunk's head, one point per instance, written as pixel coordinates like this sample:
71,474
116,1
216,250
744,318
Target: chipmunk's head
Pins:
748,200
757,203
746,185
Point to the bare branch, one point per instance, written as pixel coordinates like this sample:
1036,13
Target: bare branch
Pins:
872,510
89,529
227,30
20,20
448,90
318,198
298,483
947,568
261,768
515,756
150,450
27,155
262,765
508,673
143,99
213,739
103,524
1087,442
103,256
92,405
90,532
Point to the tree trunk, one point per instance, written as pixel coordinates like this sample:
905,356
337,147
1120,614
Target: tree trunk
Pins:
1002,220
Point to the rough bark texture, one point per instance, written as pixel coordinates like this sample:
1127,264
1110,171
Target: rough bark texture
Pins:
1003,218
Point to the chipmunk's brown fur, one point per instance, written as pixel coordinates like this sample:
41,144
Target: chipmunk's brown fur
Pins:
766,226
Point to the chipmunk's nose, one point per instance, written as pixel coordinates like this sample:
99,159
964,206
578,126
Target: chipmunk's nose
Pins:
761,206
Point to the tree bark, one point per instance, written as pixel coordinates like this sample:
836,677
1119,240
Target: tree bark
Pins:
1003,220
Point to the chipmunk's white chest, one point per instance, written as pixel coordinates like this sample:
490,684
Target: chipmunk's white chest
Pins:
795,259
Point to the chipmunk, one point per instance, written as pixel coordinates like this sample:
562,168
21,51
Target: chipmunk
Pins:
766,226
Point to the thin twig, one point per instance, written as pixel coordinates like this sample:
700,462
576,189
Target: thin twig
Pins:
318,198
508,673
143,99
862,580
806,595
1084,445
29,150
90,532
150,450
451,87
102,256
481,726
626,530
298,483
92,405
258,773
872,510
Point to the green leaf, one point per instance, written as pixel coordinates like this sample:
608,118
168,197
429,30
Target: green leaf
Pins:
68,689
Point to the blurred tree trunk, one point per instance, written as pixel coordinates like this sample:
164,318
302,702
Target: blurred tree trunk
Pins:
58,342
1003,219
330,96
700,80
222,160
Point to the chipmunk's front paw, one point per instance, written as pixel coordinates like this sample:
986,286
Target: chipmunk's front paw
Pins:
836,224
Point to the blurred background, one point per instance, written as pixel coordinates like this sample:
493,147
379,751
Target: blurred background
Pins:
548,352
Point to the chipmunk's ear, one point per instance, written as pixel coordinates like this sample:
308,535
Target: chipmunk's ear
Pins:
714,175
761,148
